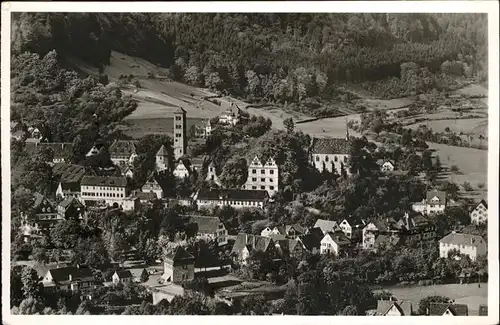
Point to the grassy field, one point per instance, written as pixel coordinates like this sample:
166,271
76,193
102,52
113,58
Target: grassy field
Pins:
469,294
474,127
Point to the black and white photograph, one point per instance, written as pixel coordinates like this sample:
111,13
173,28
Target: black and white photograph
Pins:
229,162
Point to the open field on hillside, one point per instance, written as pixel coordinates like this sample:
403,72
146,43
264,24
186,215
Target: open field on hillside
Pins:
472,90
385,104
469,294
474,127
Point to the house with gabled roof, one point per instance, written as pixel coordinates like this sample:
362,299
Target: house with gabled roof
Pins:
68,189
245,244
212,174
263,176
123,152
42,217
152,185
68,173
311,242
467,244
178,266
480,213
330,154
327,226
434,202
70,208
394,308
386,165
210,227
447,309
335,243
379,226
289,231
181,171
69,278
122,276
162,158
62,150
95,150
416,228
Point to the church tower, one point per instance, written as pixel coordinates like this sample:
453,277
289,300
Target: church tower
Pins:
180,141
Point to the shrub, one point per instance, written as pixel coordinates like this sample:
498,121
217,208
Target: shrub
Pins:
467,187
454,169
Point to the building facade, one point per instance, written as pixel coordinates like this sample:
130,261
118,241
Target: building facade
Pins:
331,154
181,171
153,186
70,278
480,213
180,138
178,266
162,162
470,245
210,228
263,176
235,198
100,188
434,202
211,174
123,152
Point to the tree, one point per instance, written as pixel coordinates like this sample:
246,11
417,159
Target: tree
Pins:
40,255
423,306
234,173
16,286
144,275
30,280
350,311
67,233
289,125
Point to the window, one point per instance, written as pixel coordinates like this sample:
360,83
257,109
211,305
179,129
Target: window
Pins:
254,171
254,179
317,158
262,187
271,171
178,126
178,135
345,159
254,187
336,158
271,188
271,180
262,179
263,171
326,158
178,118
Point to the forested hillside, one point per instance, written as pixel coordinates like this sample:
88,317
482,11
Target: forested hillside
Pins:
275,57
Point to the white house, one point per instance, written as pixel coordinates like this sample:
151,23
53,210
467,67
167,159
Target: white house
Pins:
181,171
470,245
211,174
65,189
123,152
331,154
95,150
263,176
131,203
387,166
153,186
104,188
334,243
447,309
480,213
122,276
346,228
435,202
161,159
394,308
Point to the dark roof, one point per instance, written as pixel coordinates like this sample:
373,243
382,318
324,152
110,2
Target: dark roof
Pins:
339,238
438,309
162,151
39,199
311,241
68,172
61,275
483,310
386,224
414,220
179,110
198,161
61,150
104,181
483,202
386,240
179,254
70,186
122,148
440,194
316,232
232,194
143,196
462,239
124,274
404,307
330,146
206,224
252,242
69,201
285,229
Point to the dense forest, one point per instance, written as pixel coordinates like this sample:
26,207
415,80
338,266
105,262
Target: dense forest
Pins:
279,58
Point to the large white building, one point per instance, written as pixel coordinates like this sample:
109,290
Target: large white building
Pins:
108,189
231,197
263,176
330,154
470,245
434,202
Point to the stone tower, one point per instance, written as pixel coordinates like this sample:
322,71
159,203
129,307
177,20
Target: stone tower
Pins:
161,159
180,141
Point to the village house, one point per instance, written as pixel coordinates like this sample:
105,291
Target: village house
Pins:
122,276
68,189
153,186
289,231
95,150
68,173
204,130
211,174
69,278
232,115
245,244
416,228
480,213
394,308
130,203
311,242
346,228
470,245
127,172
123,152
263,176
435,202
178,266
181,171
447,309
210,228
295,248
196,164
232,197
386,166
42,217
70,208
387,227
109,189
162,159
335,243
327,226
62,151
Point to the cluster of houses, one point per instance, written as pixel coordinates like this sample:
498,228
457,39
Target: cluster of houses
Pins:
393,307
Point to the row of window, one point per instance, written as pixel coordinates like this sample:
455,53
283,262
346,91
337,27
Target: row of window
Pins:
263,171
102,194
178,135
101,188
178,118
254,179
244,203
178,126
262,187
335,158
